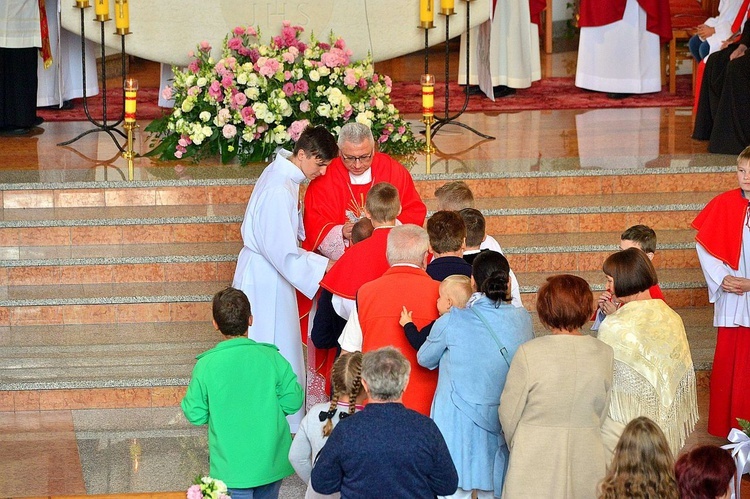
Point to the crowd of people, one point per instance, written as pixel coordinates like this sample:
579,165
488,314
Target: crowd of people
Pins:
439,386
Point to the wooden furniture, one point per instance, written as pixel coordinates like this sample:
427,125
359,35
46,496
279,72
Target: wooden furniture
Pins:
686,15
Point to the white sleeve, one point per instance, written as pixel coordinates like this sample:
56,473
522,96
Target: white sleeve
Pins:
491,243
351,338
342,306
515,291
714,271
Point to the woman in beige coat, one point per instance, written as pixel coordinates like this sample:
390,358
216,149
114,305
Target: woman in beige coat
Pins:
555,400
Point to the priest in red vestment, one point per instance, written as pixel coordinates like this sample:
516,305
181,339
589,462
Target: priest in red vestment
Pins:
374,320
335,201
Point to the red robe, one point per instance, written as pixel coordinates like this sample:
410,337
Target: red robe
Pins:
719,226
379,304
362,263
329,197
602,12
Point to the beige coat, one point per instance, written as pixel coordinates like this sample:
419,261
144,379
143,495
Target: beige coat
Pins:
555,400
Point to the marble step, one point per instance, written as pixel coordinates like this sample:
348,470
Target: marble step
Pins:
160,361
235,188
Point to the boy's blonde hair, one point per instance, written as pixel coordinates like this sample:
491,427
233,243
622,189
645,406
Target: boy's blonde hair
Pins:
744,156
383,203
346,379
454,196
458,289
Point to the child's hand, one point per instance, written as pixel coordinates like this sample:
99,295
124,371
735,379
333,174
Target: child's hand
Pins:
405,317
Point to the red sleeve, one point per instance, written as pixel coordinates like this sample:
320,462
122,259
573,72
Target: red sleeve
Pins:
655,292
325,206
535,8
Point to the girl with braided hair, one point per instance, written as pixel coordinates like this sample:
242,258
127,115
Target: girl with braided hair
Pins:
321,419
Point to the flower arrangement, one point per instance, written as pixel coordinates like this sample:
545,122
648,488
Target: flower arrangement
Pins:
207,488
259,97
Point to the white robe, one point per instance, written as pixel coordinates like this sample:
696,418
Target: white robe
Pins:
730,309
64,80
271,264
513,48
722,24
621,57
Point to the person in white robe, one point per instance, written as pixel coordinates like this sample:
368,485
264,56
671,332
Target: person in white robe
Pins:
504,51
63,81
621,57
271,264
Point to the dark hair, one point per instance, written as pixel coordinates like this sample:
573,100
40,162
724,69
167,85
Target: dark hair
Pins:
318,143
491,272
643,235
475,226
705,472
564,302
631,270
231,310
446,231
383,203
362,230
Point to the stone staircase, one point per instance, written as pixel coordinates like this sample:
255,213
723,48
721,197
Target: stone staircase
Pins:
106,287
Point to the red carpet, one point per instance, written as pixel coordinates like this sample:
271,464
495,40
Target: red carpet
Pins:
550,93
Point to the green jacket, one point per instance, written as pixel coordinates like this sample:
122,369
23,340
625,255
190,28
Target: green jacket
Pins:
244,390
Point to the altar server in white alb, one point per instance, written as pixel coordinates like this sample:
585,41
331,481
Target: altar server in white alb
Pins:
619,45
63,81
504,51
271,264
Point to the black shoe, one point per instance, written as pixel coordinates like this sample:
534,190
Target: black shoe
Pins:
502,91
618,96
474,90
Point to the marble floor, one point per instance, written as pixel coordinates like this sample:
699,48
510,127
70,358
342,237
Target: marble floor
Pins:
155,451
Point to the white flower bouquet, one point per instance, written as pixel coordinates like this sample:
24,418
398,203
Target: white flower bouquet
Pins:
207,488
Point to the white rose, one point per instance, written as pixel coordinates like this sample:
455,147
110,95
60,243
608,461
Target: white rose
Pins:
252,93
187,105
362,118
324,70
323,110
202,81
190,81
314,75
252,79
204,116
242,79
207,131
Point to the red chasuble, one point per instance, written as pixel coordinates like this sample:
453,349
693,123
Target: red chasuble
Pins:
719,226
602,12
363,262
330,197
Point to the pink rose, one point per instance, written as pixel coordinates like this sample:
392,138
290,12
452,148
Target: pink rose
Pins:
240,99
388,82
194,91
301,87
375,78
234,43
239,31
194,492
288,89
229,131
383,138
350,79
304,106
288,57
205,46
215,90
248,115
362,83
166,94
296,129
193,67
287,75
227,80
251,31
178,155
348,112
401,129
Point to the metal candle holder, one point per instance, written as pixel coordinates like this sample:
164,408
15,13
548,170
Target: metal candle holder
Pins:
99,125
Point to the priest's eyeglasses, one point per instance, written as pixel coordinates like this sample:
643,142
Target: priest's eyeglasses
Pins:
353,159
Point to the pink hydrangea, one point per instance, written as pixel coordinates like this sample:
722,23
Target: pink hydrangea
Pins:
234,43
194,491
288,88
336,57
166,93
215,90
301,87
296,129
229,131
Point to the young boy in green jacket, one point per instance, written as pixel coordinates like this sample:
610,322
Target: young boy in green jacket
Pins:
244,390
